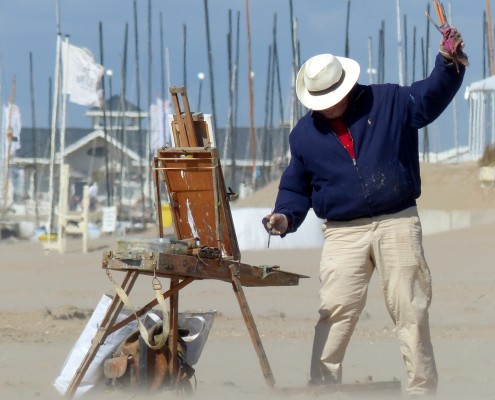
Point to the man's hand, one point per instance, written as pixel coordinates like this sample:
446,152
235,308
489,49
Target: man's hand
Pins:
452,45
275,224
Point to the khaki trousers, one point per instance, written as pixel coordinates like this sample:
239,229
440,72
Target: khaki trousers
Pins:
391,244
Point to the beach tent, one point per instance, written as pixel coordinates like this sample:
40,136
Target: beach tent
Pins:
481,98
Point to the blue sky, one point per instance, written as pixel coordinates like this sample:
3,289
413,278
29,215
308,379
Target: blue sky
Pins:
30,26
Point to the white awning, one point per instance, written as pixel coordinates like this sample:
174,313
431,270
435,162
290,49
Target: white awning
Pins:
484,85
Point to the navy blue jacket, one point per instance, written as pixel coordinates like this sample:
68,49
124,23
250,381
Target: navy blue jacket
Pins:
384,177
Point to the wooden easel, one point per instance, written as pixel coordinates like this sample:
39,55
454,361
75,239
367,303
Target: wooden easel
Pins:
189,129
205,246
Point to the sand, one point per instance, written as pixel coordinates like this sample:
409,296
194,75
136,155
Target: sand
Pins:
46,300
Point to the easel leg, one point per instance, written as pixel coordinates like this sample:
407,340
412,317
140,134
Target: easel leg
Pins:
102,333
174,328
251,325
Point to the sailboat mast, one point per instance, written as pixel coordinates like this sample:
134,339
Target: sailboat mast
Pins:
251,98
399,46
150,53
230,69
381,54
184,55
485,34
123,110
162,58
105,129
370,60
138,94
405,50
276,67
490,38
294,105
210,65
414,55
347,28
426,144
148,132
167,63
235,86
454,107
268,106
34,139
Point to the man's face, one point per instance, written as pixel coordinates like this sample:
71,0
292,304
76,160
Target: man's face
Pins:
337,110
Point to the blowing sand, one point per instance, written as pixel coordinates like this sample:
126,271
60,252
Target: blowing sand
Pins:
46,300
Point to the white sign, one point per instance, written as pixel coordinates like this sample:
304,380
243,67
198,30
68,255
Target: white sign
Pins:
109,219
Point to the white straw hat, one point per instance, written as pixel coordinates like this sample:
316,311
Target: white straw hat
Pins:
325,79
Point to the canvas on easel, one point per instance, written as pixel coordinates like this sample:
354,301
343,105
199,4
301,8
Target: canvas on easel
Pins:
198,199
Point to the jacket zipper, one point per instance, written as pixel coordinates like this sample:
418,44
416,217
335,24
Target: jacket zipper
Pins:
354,162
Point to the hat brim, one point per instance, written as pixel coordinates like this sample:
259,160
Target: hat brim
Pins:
327,100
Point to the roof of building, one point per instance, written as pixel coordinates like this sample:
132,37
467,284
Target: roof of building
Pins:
270,143
114,104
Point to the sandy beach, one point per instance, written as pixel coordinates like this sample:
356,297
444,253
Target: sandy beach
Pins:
46,300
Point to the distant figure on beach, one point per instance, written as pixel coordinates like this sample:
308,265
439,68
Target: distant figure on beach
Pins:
93,193
355,161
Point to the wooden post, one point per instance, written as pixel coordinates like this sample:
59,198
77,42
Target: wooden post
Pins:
62,208
85,218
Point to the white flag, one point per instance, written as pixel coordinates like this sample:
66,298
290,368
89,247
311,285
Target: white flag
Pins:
12,122
83,76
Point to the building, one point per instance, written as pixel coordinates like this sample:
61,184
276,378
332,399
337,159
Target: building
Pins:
116,154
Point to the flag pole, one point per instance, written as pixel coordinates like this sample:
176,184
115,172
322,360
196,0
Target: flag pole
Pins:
62,194
53,136
65,74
